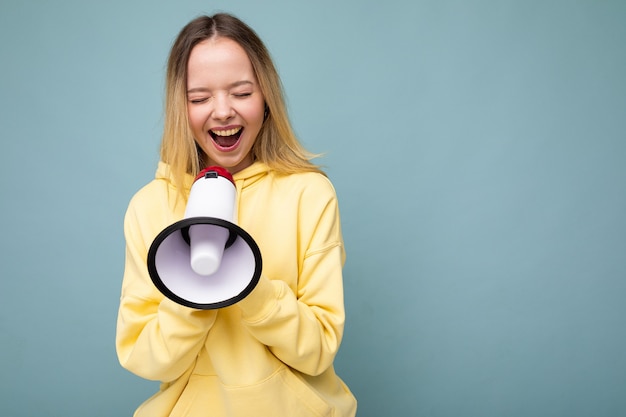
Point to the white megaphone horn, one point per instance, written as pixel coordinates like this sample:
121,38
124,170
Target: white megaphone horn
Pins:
206,261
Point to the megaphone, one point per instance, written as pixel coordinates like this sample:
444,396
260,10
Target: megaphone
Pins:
206,261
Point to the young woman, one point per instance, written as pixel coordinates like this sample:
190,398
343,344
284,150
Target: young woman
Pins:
272,353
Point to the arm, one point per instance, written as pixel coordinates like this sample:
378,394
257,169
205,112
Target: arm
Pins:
303,328
156,338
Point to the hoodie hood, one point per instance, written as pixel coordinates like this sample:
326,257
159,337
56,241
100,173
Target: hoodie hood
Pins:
250,175
243,179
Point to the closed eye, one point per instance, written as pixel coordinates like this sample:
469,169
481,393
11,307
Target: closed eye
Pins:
198,100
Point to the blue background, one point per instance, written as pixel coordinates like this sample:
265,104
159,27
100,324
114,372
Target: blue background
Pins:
478,149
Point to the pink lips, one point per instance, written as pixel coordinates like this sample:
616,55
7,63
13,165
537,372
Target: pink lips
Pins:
226,143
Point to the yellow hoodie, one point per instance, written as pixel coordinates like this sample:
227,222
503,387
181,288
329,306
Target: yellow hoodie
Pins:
270,354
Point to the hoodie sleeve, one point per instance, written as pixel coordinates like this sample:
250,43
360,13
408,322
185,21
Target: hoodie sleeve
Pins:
303,328
156,338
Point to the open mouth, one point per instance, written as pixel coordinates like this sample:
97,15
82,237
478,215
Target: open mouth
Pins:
226,138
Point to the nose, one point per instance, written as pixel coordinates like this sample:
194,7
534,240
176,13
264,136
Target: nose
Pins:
222,110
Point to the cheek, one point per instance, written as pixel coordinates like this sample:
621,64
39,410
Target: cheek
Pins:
196,122
255,113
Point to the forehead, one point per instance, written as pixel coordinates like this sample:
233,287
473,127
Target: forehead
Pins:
219,59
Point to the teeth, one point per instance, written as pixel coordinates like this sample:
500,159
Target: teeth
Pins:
228,132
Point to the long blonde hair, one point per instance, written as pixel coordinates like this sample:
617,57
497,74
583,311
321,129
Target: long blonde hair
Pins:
276,144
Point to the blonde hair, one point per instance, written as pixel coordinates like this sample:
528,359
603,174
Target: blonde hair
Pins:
276,144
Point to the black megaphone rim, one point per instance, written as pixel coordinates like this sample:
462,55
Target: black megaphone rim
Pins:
184,224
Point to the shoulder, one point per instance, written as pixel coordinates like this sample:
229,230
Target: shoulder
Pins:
156,193
313,184
309,193
155,205
148,195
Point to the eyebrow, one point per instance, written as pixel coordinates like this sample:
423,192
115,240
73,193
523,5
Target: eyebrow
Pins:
233,85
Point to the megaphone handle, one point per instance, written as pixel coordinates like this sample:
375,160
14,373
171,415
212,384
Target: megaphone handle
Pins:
231,237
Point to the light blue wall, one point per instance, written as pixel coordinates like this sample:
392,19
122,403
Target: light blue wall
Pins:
478,149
